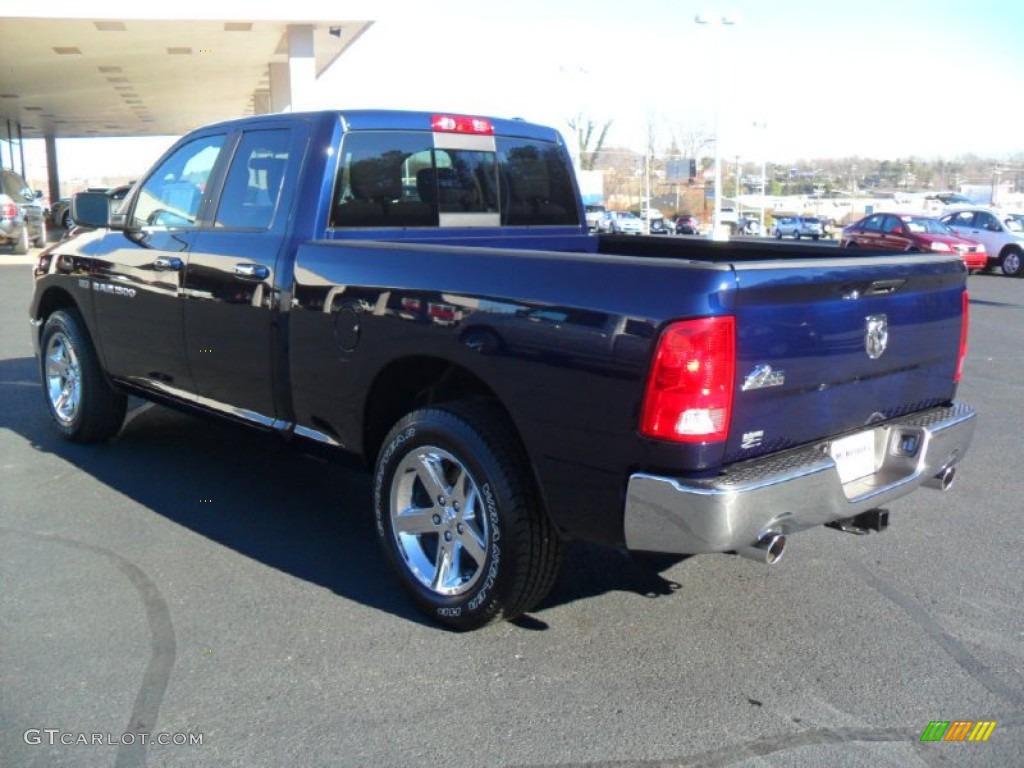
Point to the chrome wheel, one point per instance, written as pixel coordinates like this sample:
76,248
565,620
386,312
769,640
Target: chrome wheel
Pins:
63,379
438,521
1012,264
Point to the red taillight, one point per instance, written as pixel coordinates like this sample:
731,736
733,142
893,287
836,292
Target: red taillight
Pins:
689,387
461,124
963,338
8,210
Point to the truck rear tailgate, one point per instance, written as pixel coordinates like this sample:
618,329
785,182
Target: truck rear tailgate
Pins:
828,346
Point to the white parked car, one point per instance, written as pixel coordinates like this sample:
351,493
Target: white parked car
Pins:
749,225
594,214
1001,234
624,222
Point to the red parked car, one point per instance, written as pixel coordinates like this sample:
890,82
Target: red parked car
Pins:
911,232
687,225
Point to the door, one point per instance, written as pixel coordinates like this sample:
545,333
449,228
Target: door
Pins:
230,282
893,237
137,272
870,233
987,230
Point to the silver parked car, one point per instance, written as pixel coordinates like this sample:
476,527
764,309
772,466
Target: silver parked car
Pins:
797,227
22,218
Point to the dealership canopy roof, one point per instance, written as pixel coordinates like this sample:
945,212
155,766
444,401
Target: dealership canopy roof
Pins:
78,69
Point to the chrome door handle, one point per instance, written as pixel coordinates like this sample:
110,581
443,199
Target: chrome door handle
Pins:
165,263
252,271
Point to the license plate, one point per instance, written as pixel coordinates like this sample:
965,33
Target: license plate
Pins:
854,456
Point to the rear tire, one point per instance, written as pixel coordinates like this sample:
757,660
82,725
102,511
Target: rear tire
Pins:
459,518
84,406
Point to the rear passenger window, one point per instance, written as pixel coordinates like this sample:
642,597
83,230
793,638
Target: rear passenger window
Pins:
381,181
253,184
400,179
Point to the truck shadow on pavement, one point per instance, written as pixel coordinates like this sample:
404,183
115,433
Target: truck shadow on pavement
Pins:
304,515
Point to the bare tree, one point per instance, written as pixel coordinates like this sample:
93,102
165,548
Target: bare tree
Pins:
690,139
590,137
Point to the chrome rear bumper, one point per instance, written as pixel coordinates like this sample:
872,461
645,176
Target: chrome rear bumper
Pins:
792,490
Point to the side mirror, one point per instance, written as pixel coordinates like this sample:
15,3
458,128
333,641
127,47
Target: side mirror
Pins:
91,209
37,194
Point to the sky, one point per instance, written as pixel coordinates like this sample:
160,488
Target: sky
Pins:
797,79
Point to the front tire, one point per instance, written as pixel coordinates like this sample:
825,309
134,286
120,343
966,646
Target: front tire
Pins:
21,244
40,240
84,406
459,518
1012,264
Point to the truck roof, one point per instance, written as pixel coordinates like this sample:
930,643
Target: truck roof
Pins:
388,119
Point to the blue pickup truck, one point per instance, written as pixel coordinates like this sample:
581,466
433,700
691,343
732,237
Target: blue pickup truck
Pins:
421,291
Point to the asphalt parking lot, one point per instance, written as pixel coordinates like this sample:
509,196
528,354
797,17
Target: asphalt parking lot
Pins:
193,579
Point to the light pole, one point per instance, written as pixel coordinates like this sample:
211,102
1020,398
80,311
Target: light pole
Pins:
645,209
738,184
764,177
718,232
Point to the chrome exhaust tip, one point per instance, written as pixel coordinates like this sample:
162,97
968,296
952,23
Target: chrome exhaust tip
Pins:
768,549
942,481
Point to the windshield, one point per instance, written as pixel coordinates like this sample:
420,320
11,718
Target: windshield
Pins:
951,198
923,225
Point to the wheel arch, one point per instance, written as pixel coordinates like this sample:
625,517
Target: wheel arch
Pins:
53,298
416,381
1010,248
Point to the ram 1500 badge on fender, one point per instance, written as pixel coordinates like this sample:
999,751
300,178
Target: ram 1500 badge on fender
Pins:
421,291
